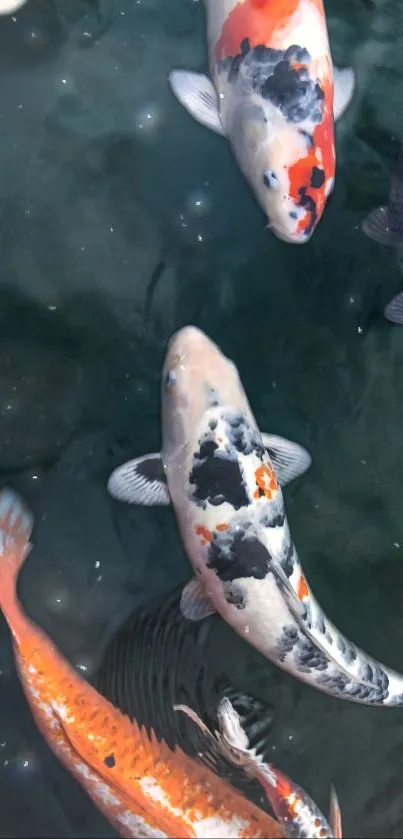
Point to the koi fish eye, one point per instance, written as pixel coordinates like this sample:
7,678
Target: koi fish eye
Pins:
170,379
270,179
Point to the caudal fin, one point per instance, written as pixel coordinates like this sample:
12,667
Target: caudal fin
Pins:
16,524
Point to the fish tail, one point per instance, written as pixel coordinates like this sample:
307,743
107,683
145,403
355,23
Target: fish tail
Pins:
16,524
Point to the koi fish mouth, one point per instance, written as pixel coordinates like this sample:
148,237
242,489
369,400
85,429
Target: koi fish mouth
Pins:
296,238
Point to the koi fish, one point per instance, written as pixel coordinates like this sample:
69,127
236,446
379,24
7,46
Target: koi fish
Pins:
7,7
141,786
275,95
230,511
385,226
297,813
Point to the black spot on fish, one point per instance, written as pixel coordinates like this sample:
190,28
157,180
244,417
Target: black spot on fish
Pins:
286,641
211,396
307,136
212,424
233,555
339,684
270,180
235,595
273,518
152,469
283,77
110,761
287,563
294,94
234,69
320,623
347,649
217,477
293,214
317,177
245,46
308,656
170,379
298,54
309,204
243,436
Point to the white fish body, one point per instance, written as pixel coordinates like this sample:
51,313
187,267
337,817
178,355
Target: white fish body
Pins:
230,511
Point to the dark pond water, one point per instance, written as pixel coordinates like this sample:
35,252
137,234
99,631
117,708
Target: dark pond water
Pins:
121,220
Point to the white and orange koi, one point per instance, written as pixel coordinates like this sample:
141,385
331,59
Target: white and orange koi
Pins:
274,94
299,816
142,787
227,498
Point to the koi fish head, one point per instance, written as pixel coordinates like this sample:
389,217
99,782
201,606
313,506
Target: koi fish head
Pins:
196,377
206,416
290,170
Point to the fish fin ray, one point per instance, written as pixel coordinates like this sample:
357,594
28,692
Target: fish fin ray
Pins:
335,814
378,226
394,309
140,481
197,94
16,523
290,460
344,84
195,604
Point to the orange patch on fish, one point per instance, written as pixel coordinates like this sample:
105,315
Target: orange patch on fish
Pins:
257,20
221,527
265,481
206,535
320,155
302,590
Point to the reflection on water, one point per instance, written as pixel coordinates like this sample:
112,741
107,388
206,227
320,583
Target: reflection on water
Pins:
122,219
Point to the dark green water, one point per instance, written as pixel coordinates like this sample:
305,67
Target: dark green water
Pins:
104,252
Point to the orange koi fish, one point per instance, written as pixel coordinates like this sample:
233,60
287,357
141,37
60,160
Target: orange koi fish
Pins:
274,94
142,787
297,813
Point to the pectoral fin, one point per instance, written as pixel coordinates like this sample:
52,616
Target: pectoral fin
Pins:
195,604
140,481
197,94
344,83
290,460
394,310
380,226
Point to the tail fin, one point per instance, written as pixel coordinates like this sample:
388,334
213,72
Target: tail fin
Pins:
16,524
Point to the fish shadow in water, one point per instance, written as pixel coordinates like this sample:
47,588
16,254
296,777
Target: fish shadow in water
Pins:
157,660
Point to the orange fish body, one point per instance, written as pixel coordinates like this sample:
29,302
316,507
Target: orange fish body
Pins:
142,787
273,76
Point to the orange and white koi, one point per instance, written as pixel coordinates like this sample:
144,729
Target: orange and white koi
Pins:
227,498
297,813
274,95
142,787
